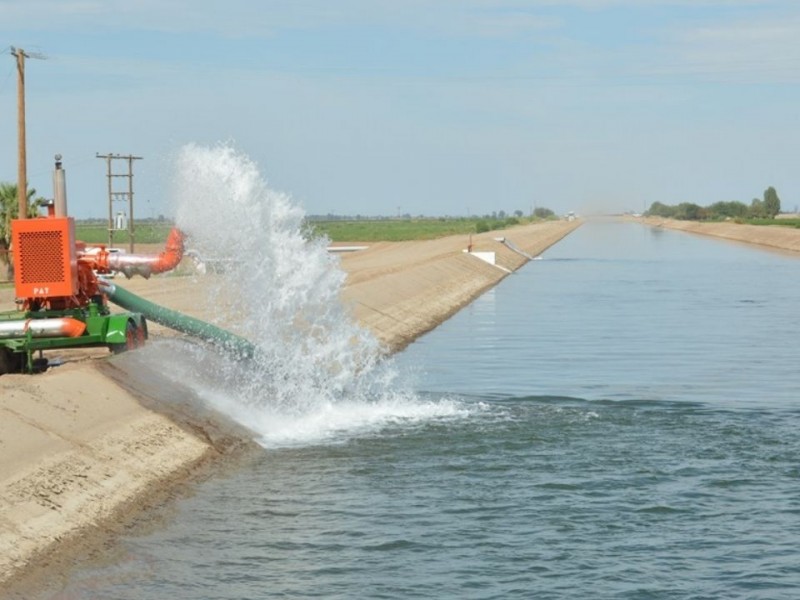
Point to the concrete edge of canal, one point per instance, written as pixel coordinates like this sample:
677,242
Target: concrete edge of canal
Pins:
91,446
775,237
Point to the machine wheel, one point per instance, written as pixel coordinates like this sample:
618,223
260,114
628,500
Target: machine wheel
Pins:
141,333
10,362
131,339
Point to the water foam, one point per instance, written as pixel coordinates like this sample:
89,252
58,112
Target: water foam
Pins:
318,376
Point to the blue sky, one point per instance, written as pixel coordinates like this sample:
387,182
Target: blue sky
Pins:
434,107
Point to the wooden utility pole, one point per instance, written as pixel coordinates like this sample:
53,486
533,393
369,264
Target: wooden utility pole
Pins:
22,165
113,196
22,172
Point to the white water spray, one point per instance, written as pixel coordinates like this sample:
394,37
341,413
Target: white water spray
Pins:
317,374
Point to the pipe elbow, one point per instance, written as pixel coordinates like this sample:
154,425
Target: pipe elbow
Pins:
172,254
137,264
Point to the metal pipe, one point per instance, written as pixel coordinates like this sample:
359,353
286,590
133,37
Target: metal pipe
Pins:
232,343
56,327
138,264
60,189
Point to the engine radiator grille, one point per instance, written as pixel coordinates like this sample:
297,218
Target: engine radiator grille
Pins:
45,261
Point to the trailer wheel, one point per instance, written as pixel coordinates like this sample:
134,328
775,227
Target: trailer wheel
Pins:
141,333
131,339
10,362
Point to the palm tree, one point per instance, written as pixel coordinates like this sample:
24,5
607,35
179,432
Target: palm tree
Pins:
9,209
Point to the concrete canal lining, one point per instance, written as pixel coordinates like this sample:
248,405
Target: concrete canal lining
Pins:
86,445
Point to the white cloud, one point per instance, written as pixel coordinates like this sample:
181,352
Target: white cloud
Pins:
242,18
473,121
236,18
756,51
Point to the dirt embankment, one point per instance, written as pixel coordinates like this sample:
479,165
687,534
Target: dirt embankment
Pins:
86,445
777,237
401,290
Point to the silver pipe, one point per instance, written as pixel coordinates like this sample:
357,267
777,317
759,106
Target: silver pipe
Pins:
59,327
60,189
137,264
133,264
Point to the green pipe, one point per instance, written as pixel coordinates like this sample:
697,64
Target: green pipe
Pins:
230,342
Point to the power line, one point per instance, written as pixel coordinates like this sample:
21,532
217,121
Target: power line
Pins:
119,196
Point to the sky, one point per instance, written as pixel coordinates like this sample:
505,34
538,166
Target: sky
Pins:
421,107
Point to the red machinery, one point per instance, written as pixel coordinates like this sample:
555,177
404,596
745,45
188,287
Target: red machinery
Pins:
61,300
55,272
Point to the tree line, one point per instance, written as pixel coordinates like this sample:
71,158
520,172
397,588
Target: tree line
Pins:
766,208
497,215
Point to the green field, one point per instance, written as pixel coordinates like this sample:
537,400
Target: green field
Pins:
362,230
400,230
146,233
774,222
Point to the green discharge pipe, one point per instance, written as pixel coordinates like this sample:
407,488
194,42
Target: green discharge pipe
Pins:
232,343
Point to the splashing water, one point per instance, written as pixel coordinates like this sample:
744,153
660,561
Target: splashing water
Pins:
317,374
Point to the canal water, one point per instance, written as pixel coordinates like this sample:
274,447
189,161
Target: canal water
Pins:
620,419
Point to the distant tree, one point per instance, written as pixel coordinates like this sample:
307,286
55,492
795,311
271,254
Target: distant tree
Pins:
733,209
772,204
659,209
501,214
518,214
688,211
543,213
757,209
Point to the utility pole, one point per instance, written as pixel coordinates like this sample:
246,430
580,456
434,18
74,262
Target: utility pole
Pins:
120,224
22,172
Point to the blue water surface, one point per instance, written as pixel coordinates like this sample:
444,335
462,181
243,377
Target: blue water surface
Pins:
630,430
